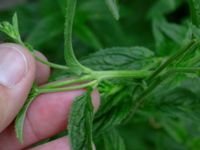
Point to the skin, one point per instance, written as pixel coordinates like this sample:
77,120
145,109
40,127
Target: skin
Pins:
46,116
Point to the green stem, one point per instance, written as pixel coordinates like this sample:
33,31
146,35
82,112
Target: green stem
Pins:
50,64
100,75
190,47
141,98
68,82
49,90
70,58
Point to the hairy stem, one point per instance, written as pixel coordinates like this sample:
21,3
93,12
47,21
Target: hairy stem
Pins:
70,58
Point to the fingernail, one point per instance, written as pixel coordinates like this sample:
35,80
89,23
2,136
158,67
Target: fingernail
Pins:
13,65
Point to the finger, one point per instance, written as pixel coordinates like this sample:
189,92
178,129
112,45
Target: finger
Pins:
42,70
46,117
17,73
59,144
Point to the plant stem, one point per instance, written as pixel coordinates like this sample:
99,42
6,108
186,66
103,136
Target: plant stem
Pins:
141,98
70,58
68,82
50,64
189,47
49,90
100,75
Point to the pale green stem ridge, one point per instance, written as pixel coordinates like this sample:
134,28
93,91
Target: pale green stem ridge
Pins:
121,74
68,82
86,85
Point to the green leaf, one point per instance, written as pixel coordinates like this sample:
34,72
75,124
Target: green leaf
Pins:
114,117
80,123
176,130
112,5
163,7
19,122
111,140
121,58
169,36
11,30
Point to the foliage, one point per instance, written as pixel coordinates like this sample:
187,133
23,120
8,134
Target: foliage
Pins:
149,93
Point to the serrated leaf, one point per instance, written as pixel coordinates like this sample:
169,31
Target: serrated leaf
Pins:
120,58
112,5
19,122
80,123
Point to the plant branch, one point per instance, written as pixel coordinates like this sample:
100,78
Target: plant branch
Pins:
49,90
70,58
67,82
100,75
189,47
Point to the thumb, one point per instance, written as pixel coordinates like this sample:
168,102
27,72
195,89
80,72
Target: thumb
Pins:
17,73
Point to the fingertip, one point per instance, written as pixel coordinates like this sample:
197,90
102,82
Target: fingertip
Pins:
17,73
42,70
95,99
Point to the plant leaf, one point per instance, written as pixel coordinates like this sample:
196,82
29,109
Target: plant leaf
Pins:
112,118
11,30
80,123
120,58
19,122
112,5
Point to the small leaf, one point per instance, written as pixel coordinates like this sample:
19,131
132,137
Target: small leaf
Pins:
11,30
112,5
19,122
80,123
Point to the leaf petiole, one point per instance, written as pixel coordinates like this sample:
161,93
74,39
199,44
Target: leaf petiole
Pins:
77,87
50,64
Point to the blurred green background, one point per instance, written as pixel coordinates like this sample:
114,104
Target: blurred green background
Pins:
159,25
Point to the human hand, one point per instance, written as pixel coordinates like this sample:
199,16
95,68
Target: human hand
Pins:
48,113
